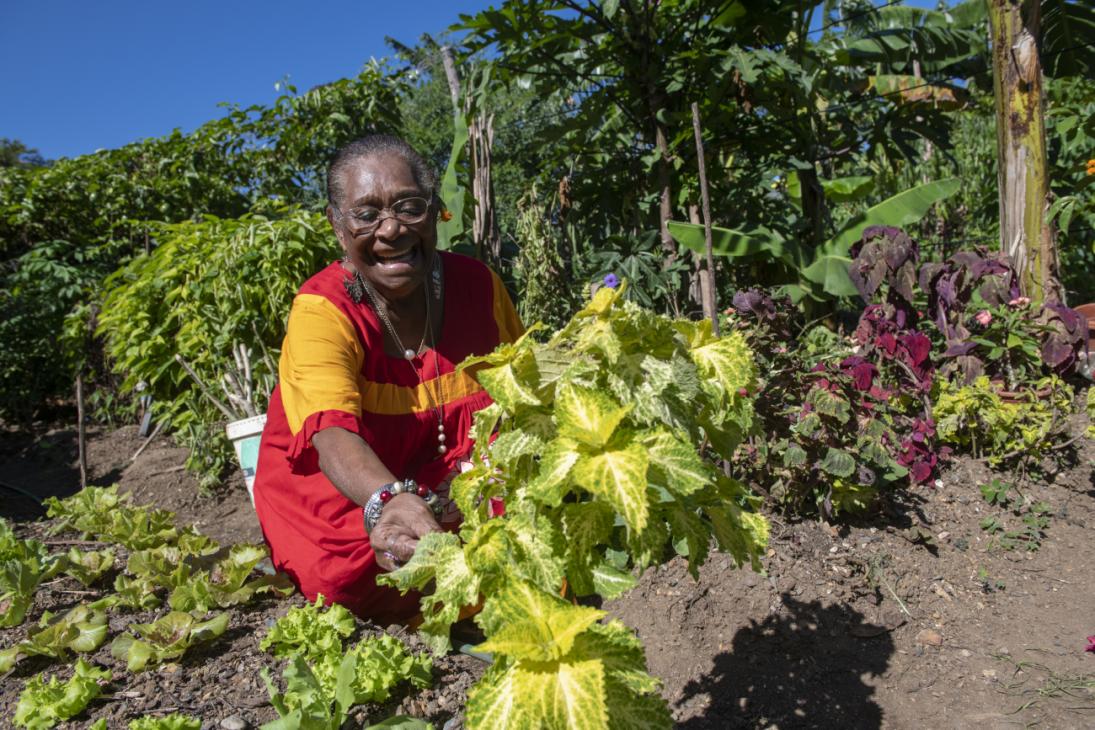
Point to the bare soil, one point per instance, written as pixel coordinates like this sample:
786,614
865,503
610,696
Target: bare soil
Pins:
858,626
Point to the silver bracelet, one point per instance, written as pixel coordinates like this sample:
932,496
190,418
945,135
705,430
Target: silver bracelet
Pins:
375,506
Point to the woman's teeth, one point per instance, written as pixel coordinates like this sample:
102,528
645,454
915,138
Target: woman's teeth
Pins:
402,258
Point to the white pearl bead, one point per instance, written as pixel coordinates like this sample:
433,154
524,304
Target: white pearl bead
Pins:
409,354
441,437
441,428
441,449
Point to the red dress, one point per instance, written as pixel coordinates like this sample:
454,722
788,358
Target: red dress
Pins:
334,372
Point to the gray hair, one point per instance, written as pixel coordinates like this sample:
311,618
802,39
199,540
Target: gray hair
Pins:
379,144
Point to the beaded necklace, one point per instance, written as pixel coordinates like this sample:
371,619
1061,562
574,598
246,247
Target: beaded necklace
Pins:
436,404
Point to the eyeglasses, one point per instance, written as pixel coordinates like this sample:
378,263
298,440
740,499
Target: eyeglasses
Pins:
408,211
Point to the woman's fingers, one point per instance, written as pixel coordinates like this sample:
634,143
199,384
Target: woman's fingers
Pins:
393,545
395,537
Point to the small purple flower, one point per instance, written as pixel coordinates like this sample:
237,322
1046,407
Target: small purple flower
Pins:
611,281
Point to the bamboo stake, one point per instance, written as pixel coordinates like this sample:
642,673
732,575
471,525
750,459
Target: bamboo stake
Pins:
710,303
81,436
205,391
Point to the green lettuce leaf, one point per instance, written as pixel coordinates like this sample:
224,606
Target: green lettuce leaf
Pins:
44,704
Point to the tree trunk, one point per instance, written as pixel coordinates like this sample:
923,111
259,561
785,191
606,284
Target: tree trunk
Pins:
813,205
488,241
1025,234
450,73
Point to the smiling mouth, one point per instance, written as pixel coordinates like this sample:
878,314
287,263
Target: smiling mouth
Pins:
403,258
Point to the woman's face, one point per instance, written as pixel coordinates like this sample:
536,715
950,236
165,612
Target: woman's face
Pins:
395,257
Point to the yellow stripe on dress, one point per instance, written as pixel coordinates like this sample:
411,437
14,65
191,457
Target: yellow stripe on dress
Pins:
389,399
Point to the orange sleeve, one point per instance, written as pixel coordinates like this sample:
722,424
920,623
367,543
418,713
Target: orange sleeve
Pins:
505,314
321,359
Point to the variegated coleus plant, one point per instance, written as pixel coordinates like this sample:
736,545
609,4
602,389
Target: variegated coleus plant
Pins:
604,435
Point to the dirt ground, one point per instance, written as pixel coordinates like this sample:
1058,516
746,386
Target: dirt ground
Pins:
863,626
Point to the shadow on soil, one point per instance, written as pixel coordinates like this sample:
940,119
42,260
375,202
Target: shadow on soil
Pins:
801,668
34,466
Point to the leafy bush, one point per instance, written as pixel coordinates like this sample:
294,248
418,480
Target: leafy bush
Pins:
541,274
976,419
67,225
834,429
968,292
596,463
206,290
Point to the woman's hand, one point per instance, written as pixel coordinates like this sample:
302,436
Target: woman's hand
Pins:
404,519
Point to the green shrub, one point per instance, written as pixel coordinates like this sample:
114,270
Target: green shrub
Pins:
977,420
207,289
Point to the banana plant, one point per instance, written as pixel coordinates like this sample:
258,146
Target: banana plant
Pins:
818,274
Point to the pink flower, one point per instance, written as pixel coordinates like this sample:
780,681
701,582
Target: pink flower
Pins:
1090,644
1019,302
983,317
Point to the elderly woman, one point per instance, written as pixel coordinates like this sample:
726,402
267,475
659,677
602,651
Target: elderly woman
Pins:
370,419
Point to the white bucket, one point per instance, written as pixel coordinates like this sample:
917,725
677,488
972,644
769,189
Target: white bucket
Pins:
245,436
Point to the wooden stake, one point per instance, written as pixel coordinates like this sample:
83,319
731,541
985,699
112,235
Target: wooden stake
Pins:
204,390
147,441
710,302
81,436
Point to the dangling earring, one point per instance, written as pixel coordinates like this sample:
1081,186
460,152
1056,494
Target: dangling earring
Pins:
355,287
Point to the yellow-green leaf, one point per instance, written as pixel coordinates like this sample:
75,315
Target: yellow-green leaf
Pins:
727,360
587,416
537,625
513,384
618,475
674,463
552,482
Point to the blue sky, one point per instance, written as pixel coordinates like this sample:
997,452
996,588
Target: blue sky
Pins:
79,76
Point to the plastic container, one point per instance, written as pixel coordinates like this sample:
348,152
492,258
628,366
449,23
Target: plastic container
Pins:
245,436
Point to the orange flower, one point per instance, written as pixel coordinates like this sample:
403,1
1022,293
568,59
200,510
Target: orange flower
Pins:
1091,167
446,215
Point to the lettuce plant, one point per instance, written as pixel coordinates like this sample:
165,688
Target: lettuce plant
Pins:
101,513
136,594
314,636
88,566
309,631
24,564
164,639
225,583
596,461
82,629
44,704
